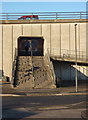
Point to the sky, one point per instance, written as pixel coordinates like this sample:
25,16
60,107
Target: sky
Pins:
18,7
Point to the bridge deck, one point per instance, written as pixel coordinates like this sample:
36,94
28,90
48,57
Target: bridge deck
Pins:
43,21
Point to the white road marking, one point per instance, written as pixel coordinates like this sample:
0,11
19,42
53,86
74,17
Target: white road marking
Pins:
30,94
9,95
53,107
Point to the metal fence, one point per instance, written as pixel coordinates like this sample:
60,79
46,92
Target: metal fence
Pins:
46,15
69,54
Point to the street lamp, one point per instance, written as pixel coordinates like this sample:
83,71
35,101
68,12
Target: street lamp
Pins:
76,73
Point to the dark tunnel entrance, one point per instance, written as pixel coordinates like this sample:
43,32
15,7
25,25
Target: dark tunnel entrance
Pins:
34,44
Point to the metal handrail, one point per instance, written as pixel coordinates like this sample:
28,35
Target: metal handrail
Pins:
46,15
67,50
63,53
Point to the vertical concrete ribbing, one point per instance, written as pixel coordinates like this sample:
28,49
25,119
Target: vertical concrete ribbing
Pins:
12,51
22,32
7,50
79,38
55,39
60,39
87,39
36,30
50,40
12,43
2,49
69,39
31,29
46,34
0,52
41,29
65,39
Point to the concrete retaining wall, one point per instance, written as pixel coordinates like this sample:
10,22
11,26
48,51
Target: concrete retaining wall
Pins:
66,71
58,37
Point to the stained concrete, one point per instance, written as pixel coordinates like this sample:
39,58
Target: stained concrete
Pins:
59,38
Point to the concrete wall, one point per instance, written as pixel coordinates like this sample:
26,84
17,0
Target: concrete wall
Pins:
87,41
58,38
1,52
66,39
7,50
66,71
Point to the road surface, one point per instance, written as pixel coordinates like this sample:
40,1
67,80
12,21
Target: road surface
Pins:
21,107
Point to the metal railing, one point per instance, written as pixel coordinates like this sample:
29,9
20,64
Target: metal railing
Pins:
69,54
46,15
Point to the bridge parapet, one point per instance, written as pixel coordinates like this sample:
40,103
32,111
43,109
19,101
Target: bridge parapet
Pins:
69,55
45,15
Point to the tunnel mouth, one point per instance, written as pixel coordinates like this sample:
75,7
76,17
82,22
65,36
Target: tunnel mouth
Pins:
28,46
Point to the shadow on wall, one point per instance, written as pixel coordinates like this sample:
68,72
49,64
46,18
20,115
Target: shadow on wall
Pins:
1,72
65,74
3,77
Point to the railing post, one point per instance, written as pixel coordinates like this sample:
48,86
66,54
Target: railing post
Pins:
7,16
56,15
80,15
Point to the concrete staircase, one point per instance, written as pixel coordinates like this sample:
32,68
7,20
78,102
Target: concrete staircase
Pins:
24,78
40,77
42,73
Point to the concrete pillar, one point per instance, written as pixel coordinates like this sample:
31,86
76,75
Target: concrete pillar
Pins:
55,39
27,29
36,30
72,40
83,40
87,45
7,50
46,34
64,39
17,32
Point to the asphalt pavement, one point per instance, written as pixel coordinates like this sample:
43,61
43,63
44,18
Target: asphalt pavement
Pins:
62,102
43,107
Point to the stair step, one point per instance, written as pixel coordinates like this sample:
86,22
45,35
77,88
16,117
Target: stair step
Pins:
42,73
